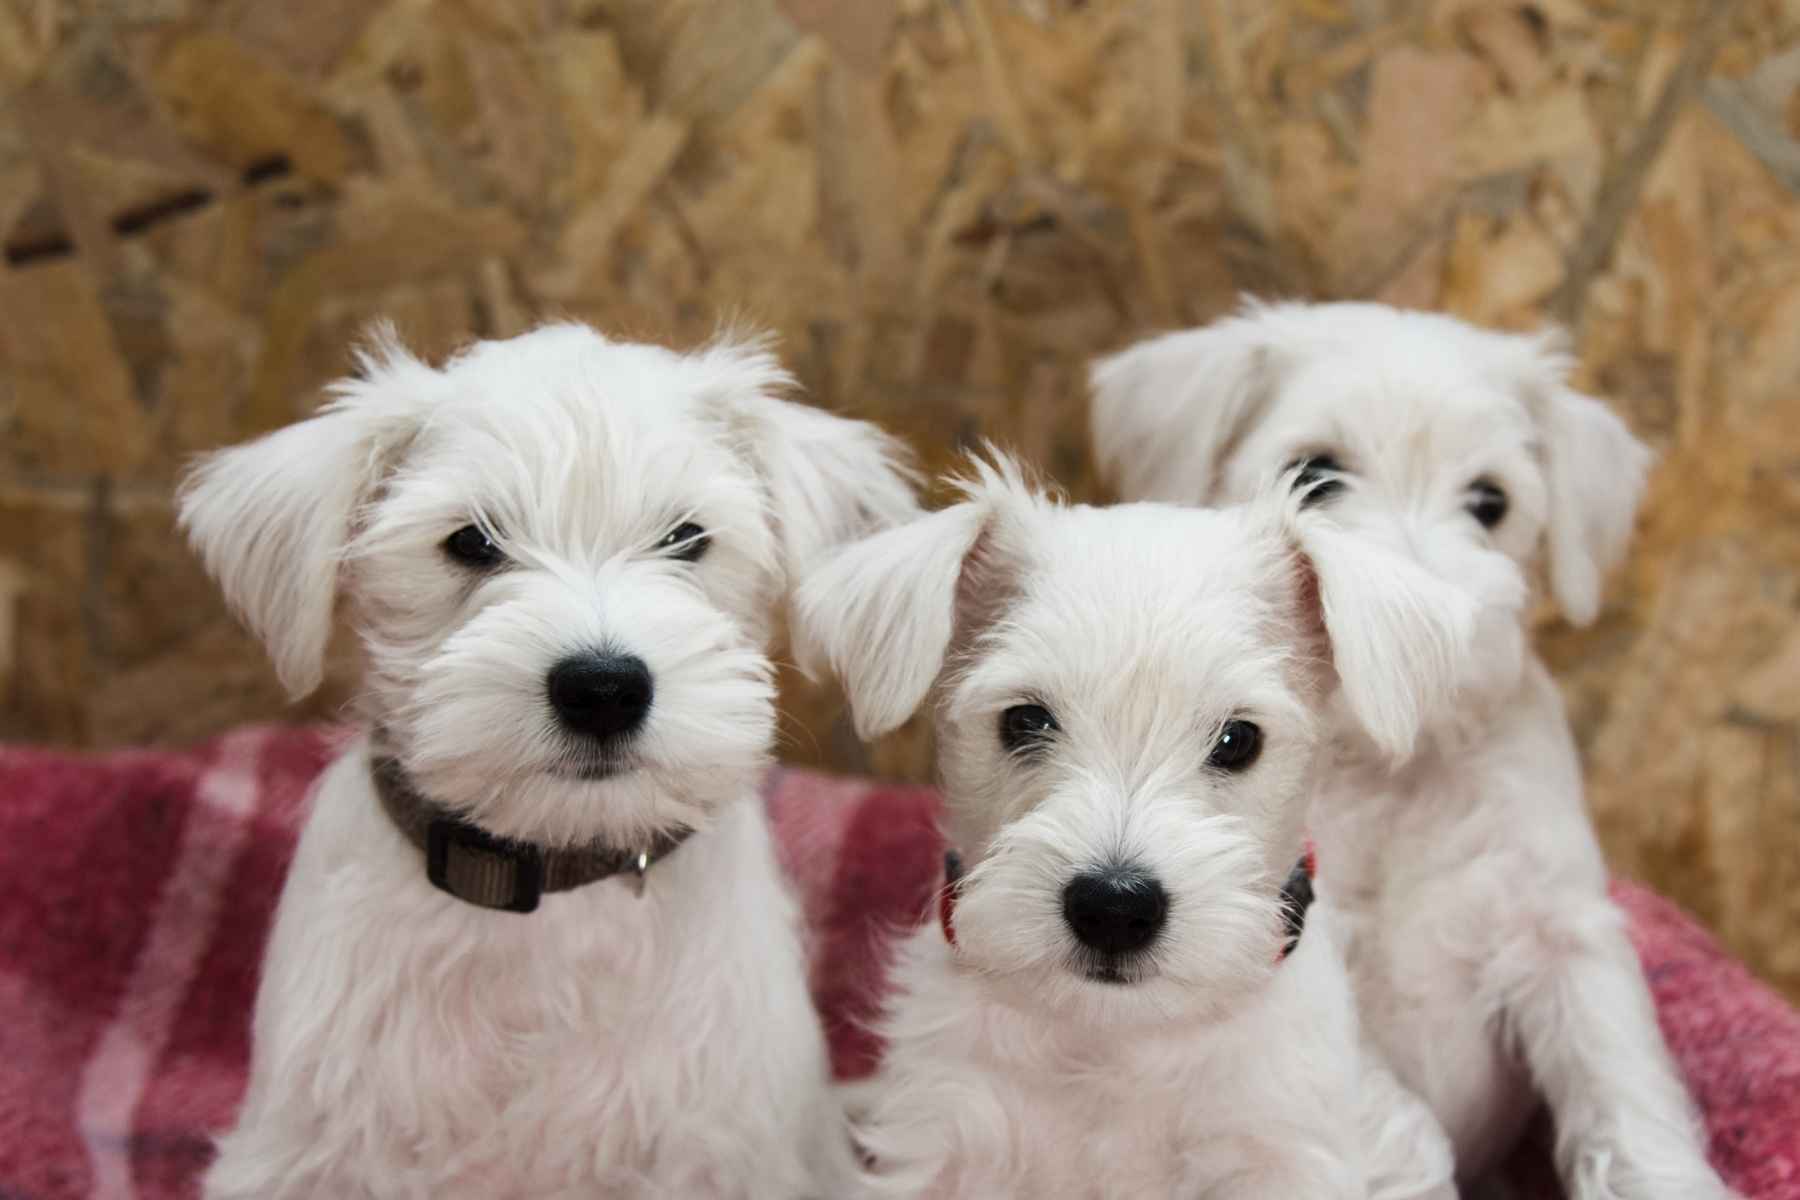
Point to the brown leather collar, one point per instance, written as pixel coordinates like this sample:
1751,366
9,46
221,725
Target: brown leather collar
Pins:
482,869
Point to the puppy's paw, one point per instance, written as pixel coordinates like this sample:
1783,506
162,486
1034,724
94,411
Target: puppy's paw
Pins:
1603,1174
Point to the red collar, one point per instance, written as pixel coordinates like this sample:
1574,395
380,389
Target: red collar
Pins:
946,906
1296,896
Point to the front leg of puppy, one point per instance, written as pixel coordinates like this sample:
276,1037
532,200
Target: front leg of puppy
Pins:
1571,992
916,1141
1407,1153
1395,1151
1259,1168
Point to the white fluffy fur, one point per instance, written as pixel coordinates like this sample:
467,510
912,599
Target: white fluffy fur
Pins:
1487,959
407,1044
1010,1070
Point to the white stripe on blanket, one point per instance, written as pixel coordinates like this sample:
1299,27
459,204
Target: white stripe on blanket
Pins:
115,1078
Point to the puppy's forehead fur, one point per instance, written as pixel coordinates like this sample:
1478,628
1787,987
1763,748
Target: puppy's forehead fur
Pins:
1422,440
1427,341
1128,610
1411,393
560,438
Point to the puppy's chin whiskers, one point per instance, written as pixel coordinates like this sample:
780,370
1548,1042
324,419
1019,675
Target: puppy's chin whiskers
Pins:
583,771
1112,973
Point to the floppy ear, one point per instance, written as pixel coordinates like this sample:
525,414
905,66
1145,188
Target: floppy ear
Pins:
271,518
1399,638
829,478
881,613
1167,412
1596,471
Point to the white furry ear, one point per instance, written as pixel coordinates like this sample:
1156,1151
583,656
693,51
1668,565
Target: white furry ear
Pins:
271,518
1400,638
881,613
1596,472
829,478
1166,411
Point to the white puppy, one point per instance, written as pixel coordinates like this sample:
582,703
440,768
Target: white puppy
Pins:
563,555
1128,708
1488,961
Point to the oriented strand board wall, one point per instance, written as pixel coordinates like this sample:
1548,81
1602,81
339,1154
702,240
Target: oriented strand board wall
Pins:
943,206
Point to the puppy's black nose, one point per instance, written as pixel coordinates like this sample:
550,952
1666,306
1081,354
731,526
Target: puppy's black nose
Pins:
604,695
1115,911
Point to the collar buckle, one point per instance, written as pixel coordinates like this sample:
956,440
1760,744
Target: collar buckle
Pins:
481,869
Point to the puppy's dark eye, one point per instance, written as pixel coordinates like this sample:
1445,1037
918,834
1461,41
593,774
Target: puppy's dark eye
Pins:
471,547
1487,503
1239,744
1321,477
1024,728
687,541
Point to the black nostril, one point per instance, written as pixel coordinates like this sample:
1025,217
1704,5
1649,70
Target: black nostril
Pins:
605,695
1115,911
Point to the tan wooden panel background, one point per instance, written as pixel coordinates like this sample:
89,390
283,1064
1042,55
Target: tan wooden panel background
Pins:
943,207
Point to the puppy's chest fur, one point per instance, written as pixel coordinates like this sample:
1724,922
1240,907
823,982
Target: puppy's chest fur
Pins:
606,1044
988,1098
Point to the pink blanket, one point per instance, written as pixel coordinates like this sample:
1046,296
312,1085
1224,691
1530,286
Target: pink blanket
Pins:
136,889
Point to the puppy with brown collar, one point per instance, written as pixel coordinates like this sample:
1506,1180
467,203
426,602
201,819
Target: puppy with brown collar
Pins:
534,942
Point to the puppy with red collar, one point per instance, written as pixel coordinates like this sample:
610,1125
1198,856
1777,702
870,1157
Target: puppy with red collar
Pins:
1129,705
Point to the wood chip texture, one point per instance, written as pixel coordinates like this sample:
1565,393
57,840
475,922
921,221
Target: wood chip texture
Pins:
943,208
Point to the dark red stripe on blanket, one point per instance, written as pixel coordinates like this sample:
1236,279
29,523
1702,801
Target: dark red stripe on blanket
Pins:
85,848
886,877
